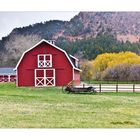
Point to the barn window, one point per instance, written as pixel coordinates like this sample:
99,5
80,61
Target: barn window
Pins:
44,60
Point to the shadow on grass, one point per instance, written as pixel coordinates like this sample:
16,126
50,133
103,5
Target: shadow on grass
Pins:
83,93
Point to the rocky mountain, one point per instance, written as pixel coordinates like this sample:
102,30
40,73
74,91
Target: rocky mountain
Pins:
123,26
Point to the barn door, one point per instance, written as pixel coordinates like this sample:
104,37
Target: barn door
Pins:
44,77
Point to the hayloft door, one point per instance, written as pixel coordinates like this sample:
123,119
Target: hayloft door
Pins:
44,77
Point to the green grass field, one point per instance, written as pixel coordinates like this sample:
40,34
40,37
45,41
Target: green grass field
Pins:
50,108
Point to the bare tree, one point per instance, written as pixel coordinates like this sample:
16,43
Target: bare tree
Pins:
135,72
16,45
118,72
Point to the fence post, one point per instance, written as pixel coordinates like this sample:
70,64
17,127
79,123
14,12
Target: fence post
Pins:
116,87
133,87
100,88
83,85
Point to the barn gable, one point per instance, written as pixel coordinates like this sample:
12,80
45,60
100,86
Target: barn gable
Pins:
53,45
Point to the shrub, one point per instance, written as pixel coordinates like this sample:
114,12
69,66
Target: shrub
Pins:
134,74
127,72
119,72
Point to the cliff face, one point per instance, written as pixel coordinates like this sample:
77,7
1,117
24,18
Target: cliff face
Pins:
122,25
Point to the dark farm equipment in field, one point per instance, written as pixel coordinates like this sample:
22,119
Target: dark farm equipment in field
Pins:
71,89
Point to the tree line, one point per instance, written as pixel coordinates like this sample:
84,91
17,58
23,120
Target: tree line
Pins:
85,49
91,47
123,66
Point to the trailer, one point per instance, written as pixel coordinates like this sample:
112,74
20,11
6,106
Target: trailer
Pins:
74,89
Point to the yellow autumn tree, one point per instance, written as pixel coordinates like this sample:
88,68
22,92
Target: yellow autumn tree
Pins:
124,58
109,60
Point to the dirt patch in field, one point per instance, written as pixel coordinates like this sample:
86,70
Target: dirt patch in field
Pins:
124,122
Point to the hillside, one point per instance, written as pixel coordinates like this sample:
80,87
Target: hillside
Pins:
122,25
85,30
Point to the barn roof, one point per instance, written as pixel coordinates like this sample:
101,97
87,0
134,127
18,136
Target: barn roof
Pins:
43,40
7,71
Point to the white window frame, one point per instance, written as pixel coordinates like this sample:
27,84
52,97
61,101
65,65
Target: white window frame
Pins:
44,61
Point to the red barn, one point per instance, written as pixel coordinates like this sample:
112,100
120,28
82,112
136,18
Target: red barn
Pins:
7,75
45,65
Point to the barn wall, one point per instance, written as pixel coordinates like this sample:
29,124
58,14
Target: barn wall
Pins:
60,63
76,77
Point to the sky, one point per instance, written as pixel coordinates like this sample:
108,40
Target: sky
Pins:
11,20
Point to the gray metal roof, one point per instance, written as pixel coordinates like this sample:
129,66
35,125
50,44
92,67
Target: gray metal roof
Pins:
6,71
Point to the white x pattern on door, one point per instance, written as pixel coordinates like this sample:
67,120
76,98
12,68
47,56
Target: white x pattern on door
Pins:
44,77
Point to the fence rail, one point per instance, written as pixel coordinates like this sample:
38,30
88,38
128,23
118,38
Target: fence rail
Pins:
116,87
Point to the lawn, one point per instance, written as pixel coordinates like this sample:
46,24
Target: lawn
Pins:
50,108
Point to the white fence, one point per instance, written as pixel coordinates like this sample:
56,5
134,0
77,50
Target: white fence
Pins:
116,87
